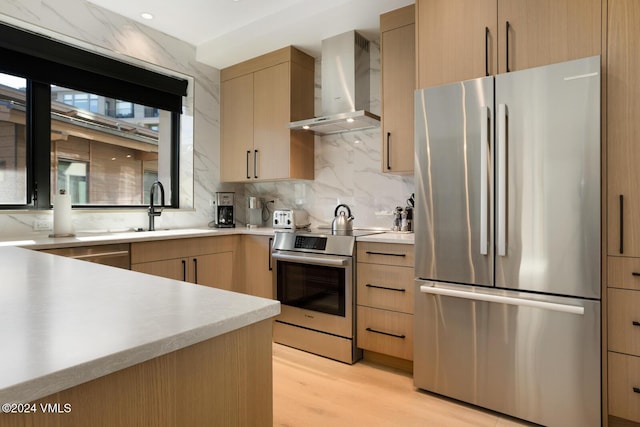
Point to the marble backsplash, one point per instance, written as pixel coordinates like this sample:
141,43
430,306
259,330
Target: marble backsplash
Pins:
348,165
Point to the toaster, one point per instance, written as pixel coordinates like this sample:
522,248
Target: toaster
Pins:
290,218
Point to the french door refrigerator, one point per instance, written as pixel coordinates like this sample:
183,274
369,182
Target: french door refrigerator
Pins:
507,241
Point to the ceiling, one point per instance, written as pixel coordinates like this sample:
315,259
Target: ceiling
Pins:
226,32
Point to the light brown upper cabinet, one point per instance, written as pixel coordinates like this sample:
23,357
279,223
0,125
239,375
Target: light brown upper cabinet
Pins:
465,39
397,44
259,97
623,128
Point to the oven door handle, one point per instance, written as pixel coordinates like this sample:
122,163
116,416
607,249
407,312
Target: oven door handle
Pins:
310,259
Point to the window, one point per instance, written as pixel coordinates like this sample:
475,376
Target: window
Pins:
82,101
124,109
91,125
13,141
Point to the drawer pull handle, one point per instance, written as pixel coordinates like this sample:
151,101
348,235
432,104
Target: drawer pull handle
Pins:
635,273
386,333
369,285
384,253
636,389
635,323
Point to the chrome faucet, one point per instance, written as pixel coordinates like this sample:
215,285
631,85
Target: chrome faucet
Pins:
152,209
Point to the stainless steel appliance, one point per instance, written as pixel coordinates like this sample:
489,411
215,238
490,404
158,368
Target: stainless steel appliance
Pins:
507,223
290,219
224,206
315,284
254,212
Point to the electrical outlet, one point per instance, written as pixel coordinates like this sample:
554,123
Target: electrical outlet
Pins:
42,225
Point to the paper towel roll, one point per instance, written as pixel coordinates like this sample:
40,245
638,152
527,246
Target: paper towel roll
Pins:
62,215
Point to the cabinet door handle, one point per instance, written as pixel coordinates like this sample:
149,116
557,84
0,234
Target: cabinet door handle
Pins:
635,273
486,51
255,164
635,323
388,150
375,331
385,253
507,50
621,200
270,244
369,285
248,153
195,270
184,270
636,389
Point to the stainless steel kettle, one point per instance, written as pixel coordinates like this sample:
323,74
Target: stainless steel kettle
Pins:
342,222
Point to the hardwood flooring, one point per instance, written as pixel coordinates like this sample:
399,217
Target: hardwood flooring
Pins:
310,390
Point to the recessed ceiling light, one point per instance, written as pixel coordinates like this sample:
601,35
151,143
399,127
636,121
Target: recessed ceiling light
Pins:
146,15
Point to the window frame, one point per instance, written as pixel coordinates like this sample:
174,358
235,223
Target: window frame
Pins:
28,54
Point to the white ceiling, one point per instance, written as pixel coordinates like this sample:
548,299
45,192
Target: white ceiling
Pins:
226,32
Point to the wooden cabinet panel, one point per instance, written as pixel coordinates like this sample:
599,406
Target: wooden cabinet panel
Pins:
259,97
466,39
209,261
175,269
385,287
258,266
385,253
547,31
237,132
386,332
271,137
624,321
397,44
451,40
215,270
624,379
623,128
623,272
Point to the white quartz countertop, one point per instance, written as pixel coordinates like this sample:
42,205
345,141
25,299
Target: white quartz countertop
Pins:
43,241
64,322
390,237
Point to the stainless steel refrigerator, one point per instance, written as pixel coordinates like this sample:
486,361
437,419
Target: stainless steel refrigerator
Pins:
507,232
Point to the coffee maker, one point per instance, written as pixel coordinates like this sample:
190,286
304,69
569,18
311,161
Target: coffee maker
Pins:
224,210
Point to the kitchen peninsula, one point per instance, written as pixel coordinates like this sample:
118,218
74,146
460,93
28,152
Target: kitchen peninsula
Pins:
116,347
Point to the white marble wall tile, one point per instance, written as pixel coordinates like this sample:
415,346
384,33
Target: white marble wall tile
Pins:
346,171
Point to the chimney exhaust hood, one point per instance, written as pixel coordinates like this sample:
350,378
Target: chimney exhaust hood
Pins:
345,87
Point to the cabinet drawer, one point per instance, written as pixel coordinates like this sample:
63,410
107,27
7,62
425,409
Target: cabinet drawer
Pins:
623,272
624,386
624,321
385,253
386,332
384,286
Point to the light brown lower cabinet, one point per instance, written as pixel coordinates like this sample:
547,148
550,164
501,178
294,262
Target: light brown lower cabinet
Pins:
258,266
624,386
384,298
209,261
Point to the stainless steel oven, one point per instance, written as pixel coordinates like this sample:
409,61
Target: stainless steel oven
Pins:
315,283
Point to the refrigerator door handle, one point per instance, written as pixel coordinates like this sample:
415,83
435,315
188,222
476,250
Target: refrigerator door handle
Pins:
484,184
501,299
502,180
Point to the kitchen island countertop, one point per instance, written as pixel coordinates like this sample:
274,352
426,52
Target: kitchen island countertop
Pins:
64,322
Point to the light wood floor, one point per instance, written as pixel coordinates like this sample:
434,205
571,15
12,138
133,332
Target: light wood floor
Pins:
310,390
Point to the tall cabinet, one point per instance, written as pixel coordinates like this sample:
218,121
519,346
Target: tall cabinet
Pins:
465,39
258,98
623,211
397,50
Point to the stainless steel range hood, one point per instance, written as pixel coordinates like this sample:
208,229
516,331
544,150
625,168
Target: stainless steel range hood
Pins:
345,87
